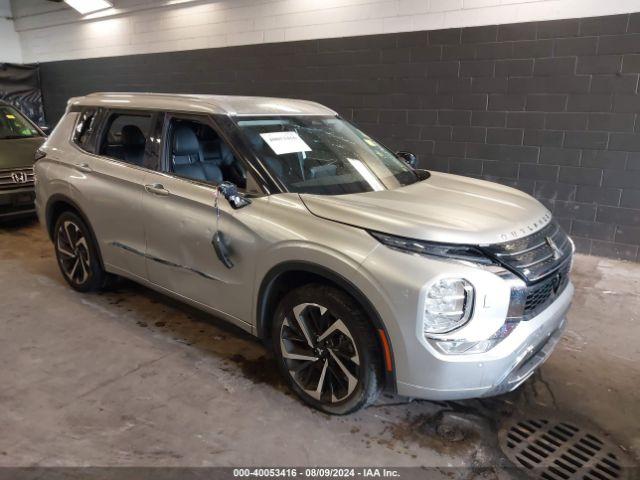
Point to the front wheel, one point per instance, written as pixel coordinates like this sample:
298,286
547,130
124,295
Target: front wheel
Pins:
327,349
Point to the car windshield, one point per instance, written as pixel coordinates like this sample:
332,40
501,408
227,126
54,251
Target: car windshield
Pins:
324,155
14,125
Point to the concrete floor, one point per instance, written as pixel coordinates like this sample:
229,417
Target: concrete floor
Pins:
131,377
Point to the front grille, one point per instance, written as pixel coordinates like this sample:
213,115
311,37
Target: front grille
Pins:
16,178
536,256
540,295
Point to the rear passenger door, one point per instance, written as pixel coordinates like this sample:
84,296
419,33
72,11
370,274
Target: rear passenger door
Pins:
180,221
110,181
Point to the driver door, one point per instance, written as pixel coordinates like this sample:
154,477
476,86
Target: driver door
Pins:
181,220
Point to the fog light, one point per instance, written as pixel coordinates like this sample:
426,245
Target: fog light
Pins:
448,305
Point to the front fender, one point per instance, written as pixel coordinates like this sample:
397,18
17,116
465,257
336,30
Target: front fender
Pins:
344,270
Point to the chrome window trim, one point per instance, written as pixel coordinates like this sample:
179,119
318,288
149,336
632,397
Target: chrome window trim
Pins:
148,170
109,159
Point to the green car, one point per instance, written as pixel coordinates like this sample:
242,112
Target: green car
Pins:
20,138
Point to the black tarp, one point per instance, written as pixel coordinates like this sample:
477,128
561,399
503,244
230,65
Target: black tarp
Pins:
20,86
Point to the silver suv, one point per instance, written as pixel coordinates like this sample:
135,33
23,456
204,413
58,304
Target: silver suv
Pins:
363,272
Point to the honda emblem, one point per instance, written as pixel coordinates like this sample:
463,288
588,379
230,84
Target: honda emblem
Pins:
19,177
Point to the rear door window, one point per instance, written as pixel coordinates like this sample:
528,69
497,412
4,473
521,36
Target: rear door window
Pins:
126,137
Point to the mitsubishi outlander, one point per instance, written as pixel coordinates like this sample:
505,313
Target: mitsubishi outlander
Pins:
363,272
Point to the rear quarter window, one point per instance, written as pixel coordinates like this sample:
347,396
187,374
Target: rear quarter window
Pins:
83,134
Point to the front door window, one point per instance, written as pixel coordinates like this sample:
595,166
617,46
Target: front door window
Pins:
197,152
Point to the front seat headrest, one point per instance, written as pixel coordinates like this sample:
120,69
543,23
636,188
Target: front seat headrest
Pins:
185,142
132,136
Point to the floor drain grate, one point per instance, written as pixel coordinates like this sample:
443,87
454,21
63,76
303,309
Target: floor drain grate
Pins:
558,450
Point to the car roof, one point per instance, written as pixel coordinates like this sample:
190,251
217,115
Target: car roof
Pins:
216,104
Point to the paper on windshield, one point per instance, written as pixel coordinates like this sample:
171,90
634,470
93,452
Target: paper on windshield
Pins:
285,142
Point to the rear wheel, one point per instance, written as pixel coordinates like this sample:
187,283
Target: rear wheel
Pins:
327,349
77,254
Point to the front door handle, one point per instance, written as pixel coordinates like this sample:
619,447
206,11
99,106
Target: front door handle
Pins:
84,167
157,189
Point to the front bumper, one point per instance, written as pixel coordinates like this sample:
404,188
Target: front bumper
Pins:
532,359
17,202
397,286
500,370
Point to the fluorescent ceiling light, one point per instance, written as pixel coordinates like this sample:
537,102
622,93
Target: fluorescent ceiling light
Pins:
89,6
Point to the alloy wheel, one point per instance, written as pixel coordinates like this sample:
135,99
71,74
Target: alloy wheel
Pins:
73,252
320,353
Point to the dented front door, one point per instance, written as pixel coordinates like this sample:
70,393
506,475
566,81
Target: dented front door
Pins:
180,221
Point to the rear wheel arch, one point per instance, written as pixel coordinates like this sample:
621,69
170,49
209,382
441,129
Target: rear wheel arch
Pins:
56,206
286,276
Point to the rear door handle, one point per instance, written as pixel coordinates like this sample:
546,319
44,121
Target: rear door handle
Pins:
83,167
157,189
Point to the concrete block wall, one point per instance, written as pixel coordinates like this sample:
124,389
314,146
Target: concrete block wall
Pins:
551,108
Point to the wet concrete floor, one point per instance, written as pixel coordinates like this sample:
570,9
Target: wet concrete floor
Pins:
131,377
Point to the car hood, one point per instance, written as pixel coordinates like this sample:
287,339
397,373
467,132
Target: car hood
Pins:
19,152
443,208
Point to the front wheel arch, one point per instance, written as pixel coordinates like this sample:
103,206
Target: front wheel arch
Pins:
276,284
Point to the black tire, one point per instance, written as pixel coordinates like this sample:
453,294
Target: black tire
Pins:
78,245
365,349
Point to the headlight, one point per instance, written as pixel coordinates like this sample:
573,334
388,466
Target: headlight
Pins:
456,252
448,305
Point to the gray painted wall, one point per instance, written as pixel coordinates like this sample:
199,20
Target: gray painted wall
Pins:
551,108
